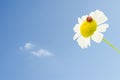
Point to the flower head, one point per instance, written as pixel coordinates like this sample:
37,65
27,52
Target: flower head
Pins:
90,27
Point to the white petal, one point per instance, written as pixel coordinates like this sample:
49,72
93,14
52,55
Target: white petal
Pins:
76,28
79,20
84,17
80,41
83,42
97,37
98,16
77,35
102,28
87,42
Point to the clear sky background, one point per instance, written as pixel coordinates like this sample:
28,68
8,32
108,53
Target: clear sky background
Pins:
36,41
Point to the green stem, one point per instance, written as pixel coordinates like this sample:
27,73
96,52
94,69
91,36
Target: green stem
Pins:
111,45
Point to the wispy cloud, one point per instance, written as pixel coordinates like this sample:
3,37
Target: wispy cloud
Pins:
28,46
42,52
33,49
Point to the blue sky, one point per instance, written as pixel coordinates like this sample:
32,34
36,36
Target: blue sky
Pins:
45,27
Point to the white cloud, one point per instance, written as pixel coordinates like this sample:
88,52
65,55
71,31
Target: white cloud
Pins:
28,46
34,50
42,52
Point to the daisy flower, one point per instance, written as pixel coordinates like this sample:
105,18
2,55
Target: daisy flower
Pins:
90,27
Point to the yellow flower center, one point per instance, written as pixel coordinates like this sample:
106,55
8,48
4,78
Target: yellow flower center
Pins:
88,27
